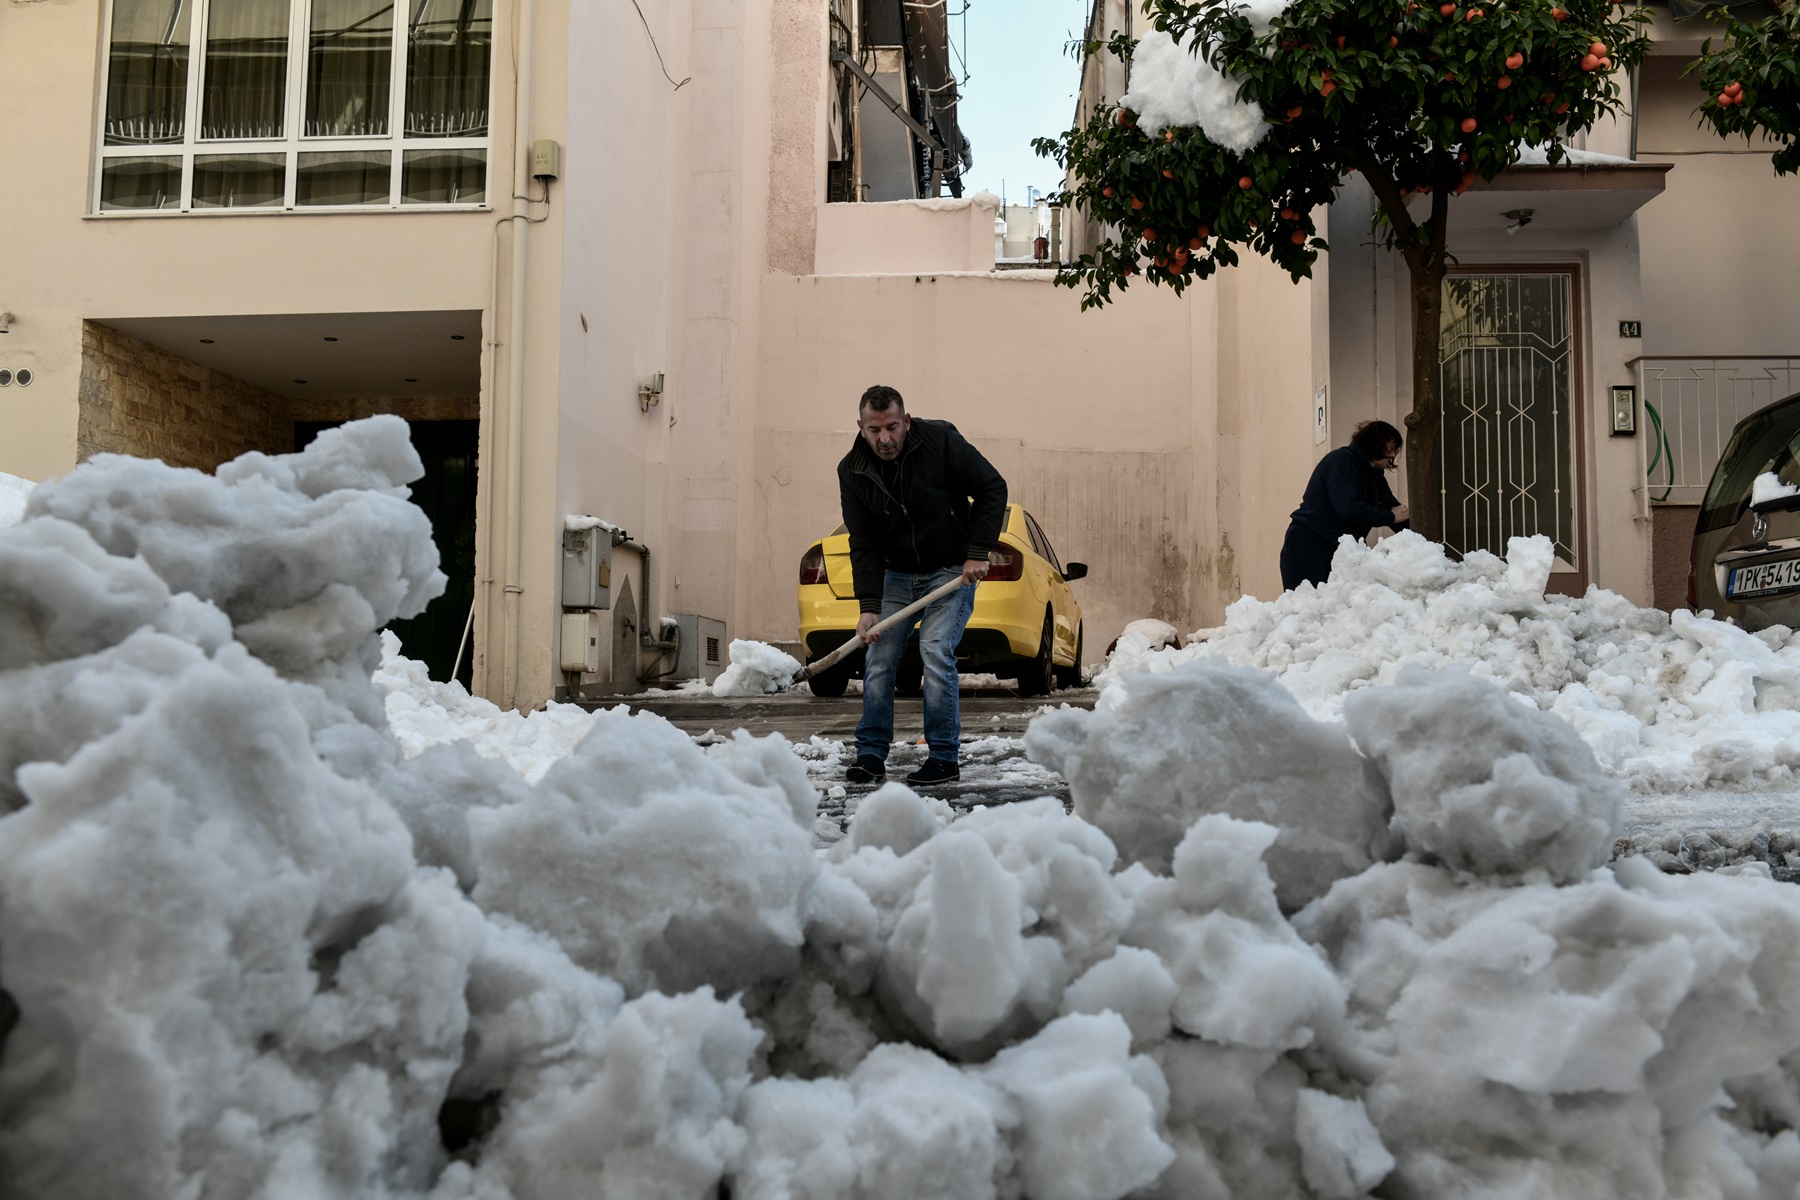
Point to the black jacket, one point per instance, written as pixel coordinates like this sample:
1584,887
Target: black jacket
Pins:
939,504
1346,495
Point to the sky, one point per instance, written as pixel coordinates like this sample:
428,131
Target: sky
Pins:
1021,85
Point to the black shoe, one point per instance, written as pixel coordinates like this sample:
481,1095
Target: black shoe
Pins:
867,769
935,770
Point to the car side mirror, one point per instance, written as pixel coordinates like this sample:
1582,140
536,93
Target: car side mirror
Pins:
1074,571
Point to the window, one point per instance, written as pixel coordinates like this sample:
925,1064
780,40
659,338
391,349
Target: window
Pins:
295,104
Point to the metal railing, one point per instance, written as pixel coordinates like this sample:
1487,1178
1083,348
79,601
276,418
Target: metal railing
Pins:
1690,407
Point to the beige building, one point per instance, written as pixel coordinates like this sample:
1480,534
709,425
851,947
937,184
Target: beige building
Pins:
612,264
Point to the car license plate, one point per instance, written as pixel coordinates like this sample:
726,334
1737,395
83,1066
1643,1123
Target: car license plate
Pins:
1764,579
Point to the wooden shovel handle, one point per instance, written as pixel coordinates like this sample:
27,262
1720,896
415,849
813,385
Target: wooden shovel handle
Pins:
819,666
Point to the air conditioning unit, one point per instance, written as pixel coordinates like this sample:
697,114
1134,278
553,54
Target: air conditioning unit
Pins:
703,648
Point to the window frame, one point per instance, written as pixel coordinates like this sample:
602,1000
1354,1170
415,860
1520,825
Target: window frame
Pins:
294,142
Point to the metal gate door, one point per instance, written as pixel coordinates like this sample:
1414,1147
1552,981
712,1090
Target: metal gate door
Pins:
1506,363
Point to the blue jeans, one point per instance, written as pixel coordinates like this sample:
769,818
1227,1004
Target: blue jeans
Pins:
940,630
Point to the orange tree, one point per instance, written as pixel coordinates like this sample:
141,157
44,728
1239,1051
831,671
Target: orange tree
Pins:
1419,98
1754,79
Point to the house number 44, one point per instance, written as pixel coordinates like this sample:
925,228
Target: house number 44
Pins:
1631,329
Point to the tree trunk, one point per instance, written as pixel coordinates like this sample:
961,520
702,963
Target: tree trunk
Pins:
1425,423
1426,261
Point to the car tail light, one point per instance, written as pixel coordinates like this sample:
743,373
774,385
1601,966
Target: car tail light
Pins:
812,567
1005,565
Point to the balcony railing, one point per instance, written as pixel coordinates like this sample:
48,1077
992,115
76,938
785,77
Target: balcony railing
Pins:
1698,401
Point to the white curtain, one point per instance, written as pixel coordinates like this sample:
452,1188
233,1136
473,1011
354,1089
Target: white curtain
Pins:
449,43
146,79
246,69
348,68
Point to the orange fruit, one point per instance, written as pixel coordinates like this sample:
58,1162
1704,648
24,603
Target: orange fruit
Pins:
1504,82
1468,124
1246,183
1298,237
1514,61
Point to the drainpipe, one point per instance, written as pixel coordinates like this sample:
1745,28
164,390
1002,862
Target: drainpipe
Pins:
515,387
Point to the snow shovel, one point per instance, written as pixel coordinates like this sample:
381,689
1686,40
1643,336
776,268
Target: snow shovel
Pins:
820,666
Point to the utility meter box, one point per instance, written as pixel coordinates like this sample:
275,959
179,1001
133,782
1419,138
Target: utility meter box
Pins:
581,633
703,647
587,568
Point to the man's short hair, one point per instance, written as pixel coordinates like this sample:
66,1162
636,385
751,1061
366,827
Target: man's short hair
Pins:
881,398
1373,438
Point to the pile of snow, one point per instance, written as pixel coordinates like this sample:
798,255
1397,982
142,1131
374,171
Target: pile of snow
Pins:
423,713
13,491
1172,85
257,948
1770,486
1665,701
756,669
1539,156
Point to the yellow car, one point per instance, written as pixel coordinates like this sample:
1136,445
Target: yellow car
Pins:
1027,622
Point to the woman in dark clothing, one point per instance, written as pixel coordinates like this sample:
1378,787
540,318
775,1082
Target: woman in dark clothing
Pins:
1346,494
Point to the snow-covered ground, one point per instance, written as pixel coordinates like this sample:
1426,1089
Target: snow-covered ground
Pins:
1336,917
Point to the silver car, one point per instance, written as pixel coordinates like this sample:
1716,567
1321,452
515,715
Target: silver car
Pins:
1746,557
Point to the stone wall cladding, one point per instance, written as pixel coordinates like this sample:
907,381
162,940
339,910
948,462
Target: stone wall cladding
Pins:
142,400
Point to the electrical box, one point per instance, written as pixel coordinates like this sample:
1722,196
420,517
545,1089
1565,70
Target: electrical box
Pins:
581,641
703,648
546,159
587,568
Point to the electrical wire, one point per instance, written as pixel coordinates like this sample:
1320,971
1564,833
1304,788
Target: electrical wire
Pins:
658,49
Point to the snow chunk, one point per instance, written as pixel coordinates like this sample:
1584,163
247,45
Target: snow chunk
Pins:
1244,976
1341,1151
1485,784
13,491
576,522
1770,486
424,713
1173,85
309,554
1090,1111
1203,738
757,669
690,867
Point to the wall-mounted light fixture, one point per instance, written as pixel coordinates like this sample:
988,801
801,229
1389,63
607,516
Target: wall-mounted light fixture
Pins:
6,320
1520,218
650,392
